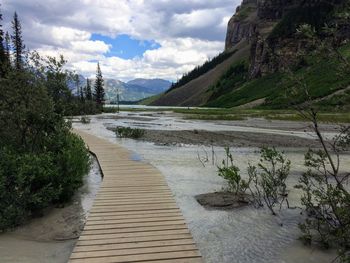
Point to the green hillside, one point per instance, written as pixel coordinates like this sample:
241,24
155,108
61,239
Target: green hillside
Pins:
320,75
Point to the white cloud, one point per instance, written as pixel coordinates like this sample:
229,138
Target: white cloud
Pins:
188,31
90,47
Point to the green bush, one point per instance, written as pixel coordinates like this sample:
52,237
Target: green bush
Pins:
231,173
127,132
268,180
30,182
41,162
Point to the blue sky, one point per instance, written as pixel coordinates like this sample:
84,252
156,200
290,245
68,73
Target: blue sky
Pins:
126,47
130,38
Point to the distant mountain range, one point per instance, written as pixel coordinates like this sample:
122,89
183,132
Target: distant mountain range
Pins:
133,90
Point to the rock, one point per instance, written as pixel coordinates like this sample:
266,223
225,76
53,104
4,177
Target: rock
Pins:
253,23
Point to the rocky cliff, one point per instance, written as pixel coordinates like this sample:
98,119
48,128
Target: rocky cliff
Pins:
267,25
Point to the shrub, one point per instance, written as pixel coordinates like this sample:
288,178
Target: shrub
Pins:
30,182
231,173
85,120
41,162
127,132
269,179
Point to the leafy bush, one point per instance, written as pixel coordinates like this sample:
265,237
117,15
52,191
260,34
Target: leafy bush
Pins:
30,182
269,179
41,161
127,132
327,202
231,173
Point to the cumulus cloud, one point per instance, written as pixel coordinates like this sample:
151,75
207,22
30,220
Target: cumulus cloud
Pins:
188,31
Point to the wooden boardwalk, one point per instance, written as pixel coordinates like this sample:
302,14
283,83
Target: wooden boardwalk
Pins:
134,217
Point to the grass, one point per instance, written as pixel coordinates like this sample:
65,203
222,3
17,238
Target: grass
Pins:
149,100
236,114
248,92
320,75
323,117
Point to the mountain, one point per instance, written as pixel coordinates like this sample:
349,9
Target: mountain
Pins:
152,85
133,90
260,43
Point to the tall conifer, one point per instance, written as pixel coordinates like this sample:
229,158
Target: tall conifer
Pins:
99,93
88,92
2,49
17,42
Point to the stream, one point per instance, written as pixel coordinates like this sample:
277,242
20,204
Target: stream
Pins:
245,235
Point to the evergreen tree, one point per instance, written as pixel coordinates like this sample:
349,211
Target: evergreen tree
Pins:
17,41
2,50
82,98
88,92
8,48
99,90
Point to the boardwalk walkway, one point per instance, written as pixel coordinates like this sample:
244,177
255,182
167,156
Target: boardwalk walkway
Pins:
134,217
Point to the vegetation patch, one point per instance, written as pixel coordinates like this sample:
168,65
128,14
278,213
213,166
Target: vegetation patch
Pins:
314,14
244,12
127,132
42,163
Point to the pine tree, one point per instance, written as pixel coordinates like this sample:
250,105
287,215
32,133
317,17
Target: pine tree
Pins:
2,50
88,92
82,98
8,48
17,41
99,91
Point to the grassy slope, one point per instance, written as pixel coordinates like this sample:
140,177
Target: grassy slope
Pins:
149,100
321,77
195,92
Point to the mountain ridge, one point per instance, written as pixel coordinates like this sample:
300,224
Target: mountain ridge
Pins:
133,90
267,29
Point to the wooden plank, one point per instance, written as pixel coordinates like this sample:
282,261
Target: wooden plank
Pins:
132,240
135,220
145,244
139,257
129,213
134,217
131,251
134,229
116,236
133,225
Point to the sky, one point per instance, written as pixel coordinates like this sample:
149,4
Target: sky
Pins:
130,38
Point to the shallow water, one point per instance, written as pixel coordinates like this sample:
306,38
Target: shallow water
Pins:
51,239
168,121
241,235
